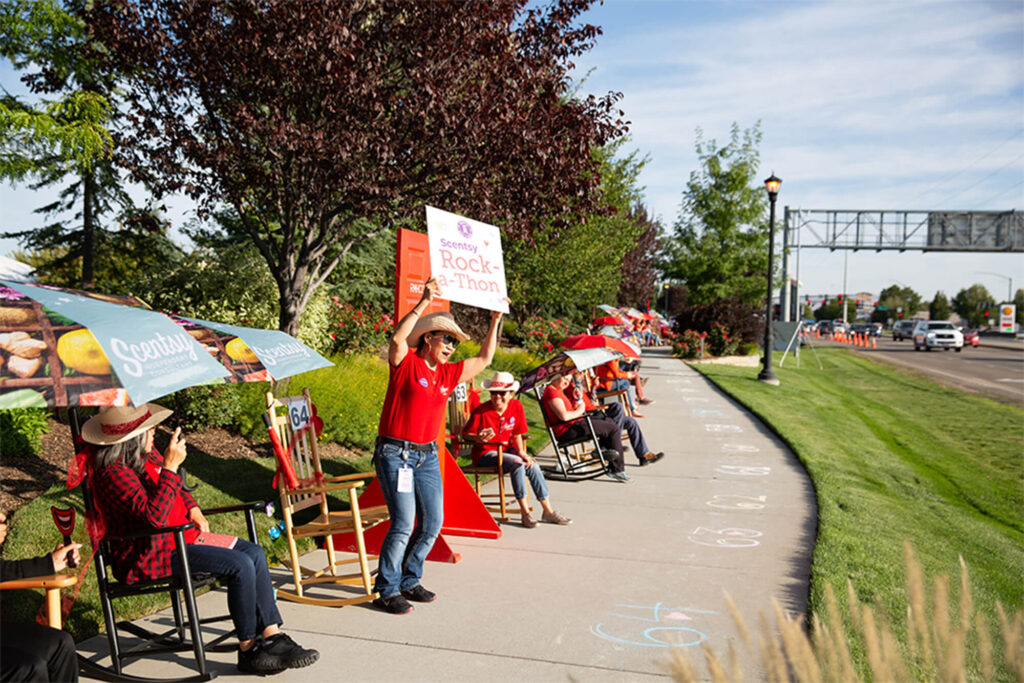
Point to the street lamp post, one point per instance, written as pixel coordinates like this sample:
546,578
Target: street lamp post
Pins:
767,375
668,313
1009,284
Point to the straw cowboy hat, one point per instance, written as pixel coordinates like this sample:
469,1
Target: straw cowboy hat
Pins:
436,322
114,425
502,381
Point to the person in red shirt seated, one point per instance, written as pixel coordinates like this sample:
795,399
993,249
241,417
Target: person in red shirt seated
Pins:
137,489
502,420
580,389
612,378
566,419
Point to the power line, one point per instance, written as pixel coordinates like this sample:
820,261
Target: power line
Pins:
972,186
969,166
1007,190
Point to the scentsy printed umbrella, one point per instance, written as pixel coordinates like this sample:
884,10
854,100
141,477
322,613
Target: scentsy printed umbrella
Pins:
252,354
610,310
62,348
566,361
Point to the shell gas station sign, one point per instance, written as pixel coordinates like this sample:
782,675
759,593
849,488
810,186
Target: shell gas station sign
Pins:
1007,316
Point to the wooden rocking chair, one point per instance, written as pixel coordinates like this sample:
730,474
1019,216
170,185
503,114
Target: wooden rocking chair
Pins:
303,485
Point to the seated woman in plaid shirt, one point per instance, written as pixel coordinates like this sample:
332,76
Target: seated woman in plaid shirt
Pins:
136,489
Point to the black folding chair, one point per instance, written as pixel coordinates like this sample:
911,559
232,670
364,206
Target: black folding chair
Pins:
578,458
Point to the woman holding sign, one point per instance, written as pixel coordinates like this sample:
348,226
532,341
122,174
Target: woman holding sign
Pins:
137,489
405,455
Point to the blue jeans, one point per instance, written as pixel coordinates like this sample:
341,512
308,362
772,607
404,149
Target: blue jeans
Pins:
416,516
250,594
623,383
617,414
517,469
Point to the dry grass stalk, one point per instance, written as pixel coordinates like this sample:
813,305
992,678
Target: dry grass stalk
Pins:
918,607
740,623
1013,642
938,647
988,668
715,667
842,648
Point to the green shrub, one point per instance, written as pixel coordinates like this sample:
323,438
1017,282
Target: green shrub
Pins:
348,397
315,325
20,430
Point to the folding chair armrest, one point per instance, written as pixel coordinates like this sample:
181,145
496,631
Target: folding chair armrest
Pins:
248,508
324,487
153,532
606,394
251,505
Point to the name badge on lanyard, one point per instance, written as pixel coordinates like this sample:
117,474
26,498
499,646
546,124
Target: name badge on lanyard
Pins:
405,479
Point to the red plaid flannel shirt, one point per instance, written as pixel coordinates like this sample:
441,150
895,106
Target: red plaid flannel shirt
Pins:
131,502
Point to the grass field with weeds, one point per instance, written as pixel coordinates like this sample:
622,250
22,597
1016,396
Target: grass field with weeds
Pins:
896,458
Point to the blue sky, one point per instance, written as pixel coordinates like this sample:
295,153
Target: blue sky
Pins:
863,105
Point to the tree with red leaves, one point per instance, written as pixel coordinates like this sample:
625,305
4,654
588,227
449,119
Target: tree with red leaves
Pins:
314,120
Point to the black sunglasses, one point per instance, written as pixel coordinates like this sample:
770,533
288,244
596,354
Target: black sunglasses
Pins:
449,340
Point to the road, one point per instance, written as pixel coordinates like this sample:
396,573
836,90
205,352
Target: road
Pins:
995,372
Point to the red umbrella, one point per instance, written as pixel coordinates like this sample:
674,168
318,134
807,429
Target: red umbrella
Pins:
599,341
609,320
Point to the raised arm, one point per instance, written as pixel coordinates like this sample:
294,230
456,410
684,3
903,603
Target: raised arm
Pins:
398,345
472,367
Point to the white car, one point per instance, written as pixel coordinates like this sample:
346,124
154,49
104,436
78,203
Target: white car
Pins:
937,334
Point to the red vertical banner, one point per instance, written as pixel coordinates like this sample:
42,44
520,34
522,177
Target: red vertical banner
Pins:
412,269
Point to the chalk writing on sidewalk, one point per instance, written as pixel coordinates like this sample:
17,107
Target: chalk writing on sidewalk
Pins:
722,428
731,537
656,625
739,448
705,412
734,502
744,470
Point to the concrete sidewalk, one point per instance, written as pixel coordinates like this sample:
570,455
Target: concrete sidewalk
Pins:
643,565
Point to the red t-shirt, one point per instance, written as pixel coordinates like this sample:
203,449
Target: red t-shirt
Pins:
552,392
415,400
571,393
505,426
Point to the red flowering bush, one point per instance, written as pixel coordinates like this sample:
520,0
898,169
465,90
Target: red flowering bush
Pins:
355,331
539,335
719,342
689,344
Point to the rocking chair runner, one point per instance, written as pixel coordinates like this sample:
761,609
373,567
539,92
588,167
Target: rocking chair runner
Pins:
573,457
303,485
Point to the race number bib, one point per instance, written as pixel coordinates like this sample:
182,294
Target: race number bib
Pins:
299,411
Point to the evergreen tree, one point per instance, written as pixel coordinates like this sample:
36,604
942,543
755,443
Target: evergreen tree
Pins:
939,308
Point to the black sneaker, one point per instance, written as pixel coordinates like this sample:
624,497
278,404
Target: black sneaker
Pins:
419,594
393,604
288,652
257,660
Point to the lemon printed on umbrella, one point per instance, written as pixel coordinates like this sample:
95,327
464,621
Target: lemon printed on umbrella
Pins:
80,351
239,351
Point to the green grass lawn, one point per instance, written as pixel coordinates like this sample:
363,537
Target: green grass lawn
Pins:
897,458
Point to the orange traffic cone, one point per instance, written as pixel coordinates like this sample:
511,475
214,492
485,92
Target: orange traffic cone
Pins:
873,344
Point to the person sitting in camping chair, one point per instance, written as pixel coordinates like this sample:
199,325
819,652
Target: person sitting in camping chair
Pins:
581,391
138,489
502,420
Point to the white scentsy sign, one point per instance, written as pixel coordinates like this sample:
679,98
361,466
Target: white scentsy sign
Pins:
466,260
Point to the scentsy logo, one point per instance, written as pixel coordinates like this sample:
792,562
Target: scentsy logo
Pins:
465,229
